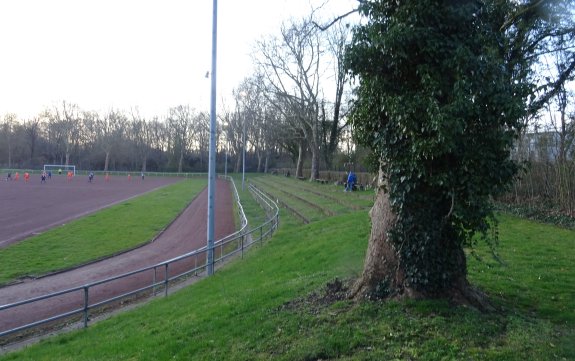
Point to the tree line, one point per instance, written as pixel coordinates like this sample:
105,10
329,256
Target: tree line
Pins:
114,140
291,111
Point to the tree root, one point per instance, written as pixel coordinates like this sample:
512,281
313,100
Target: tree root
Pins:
462,295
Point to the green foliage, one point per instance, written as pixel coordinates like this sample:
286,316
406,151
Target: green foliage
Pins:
440,105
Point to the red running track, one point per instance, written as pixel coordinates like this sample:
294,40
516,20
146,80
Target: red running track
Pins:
187,233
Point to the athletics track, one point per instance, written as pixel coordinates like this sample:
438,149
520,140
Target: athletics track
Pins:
47,205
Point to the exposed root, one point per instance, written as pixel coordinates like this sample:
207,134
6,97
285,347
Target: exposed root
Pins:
463,295
472,297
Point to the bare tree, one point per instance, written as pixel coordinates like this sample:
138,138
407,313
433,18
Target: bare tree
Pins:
200,136
32,130
285,131
559,145
236,124
65,124
159,135
232,130
255,120
110,133
8,134
180,122
141,134
338,36
291,65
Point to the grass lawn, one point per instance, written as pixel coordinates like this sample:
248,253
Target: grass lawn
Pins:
96,235
537,272
265,306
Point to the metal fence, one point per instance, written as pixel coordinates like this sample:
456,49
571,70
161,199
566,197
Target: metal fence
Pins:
153,280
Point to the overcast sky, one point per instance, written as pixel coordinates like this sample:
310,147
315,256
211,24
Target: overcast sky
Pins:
124,53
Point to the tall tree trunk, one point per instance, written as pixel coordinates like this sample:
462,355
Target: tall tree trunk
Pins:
384,274
145,163
107,161
380,270
335,130
32,149
238,165
181,161
259,155
299,165
315,151
266,163
9,153
314,164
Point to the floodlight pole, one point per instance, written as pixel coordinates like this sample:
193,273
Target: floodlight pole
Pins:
212,154
244,153
226,164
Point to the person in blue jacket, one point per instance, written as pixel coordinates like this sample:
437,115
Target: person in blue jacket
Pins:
351,180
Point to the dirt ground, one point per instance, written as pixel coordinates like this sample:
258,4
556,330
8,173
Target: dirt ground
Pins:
30,208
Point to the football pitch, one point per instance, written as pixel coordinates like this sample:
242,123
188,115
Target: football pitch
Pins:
28,208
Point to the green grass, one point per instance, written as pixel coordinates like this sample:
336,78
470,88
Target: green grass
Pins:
101,234
254,214
363,199
325,199
328,206
258,309
537,272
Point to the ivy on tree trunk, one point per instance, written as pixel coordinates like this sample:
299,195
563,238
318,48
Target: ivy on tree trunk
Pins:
440,100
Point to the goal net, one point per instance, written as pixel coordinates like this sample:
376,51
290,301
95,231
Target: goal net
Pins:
59,168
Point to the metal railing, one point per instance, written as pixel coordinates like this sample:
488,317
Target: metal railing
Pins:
152,280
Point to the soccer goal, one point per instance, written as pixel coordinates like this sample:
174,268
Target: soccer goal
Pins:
59,168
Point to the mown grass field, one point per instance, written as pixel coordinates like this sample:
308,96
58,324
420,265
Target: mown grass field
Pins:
97,235
266,305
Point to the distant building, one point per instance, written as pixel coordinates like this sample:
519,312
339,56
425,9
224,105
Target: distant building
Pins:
544,146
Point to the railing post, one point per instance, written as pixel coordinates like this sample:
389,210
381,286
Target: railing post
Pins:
86,300
196,264
166,281
261,234
222,251
242,241
154,283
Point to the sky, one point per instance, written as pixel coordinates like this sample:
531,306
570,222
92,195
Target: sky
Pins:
123,54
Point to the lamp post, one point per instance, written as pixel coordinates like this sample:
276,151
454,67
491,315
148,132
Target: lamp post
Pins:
243,94
226,164
212,153
244,154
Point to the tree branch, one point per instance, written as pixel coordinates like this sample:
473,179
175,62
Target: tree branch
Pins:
325,27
